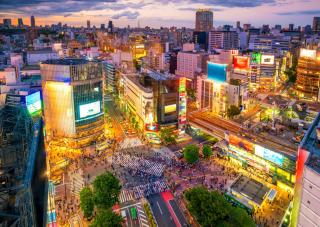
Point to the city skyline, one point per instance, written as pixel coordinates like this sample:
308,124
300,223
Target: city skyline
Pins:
150,13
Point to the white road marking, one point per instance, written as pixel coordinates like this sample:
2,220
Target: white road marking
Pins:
159,208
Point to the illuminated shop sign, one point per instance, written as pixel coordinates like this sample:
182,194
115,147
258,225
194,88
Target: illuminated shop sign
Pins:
33,102
152,127
308,53
241,63
256,57
269,155
89,109
267,59
217,72
242,143
182,101
170,108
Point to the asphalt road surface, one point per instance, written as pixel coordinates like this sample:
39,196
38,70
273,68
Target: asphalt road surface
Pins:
160,211
178,213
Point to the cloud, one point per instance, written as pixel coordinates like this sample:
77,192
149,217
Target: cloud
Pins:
126,14
301,12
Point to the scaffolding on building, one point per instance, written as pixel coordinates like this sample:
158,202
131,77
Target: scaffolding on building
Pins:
19,137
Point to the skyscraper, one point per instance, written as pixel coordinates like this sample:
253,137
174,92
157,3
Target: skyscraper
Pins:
204,20
291,27
316,25
110,26
32,22
88,24
73,101
20,22
7,22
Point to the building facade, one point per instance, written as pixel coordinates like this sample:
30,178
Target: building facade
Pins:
204,20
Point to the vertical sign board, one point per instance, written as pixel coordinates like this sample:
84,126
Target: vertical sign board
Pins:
182,102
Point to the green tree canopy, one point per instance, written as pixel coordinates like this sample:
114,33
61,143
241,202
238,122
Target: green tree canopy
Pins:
106,189
86,202
167,136
191,153
107,218
233,111
212,209
206,151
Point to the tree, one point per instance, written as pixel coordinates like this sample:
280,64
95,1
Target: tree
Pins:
191,153
212,209
233,111
167,136
107,218
106,189
86,202
206,151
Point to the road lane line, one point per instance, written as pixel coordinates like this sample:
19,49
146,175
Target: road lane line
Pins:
159,208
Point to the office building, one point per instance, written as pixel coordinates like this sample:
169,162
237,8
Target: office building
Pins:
73,102
204,20
306,210
20,22
226,40
88,24
7,23
110,26
308,75
190,63
102,26
201,38
268,43
316,25
32,22
34,57
110,76
291,27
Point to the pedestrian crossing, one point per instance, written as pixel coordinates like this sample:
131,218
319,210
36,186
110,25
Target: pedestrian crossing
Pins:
142,215
125,196
77,182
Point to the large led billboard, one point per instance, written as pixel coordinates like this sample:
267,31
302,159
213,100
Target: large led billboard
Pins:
217,72
89,109
241,63
308,53
241,143
256,58
267,59
269,155
33,102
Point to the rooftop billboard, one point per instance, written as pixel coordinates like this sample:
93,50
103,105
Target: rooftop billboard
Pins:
267,59
308,53
33,102
241,63
256,57
217,72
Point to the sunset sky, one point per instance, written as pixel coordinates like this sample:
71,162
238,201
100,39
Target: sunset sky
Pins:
160,13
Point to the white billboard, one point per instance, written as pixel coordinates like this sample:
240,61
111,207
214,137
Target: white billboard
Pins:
267,59
89,109
308,53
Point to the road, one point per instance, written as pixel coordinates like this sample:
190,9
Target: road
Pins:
161,211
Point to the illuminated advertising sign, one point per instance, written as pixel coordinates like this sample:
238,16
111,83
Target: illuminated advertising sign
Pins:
170,108
308,53
267,59
256,57
182,101
269,155
217,72
89,109
152,127
33,102
241,63
241,143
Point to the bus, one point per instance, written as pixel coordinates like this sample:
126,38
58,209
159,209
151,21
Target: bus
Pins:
133,212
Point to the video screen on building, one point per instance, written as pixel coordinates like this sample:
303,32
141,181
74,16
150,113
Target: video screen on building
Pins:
217,72
256,58
267,59
33,102
170,108
241,143
241,63
89,109
308,53
269,155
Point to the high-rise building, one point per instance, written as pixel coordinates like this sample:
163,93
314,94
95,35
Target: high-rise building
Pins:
246,27
291,27
308,75
20,22
73,101
88,24
110,26
33,22
316,25
226,40
204,20
306,211
7,22
238,24
102,26
278,27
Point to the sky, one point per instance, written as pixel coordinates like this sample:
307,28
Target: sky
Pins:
160,13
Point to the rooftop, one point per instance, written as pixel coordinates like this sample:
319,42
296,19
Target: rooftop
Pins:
68,61
251,189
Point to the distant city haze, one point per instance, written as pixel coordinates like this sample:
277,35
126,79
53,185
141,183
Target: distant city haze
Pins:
162,13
